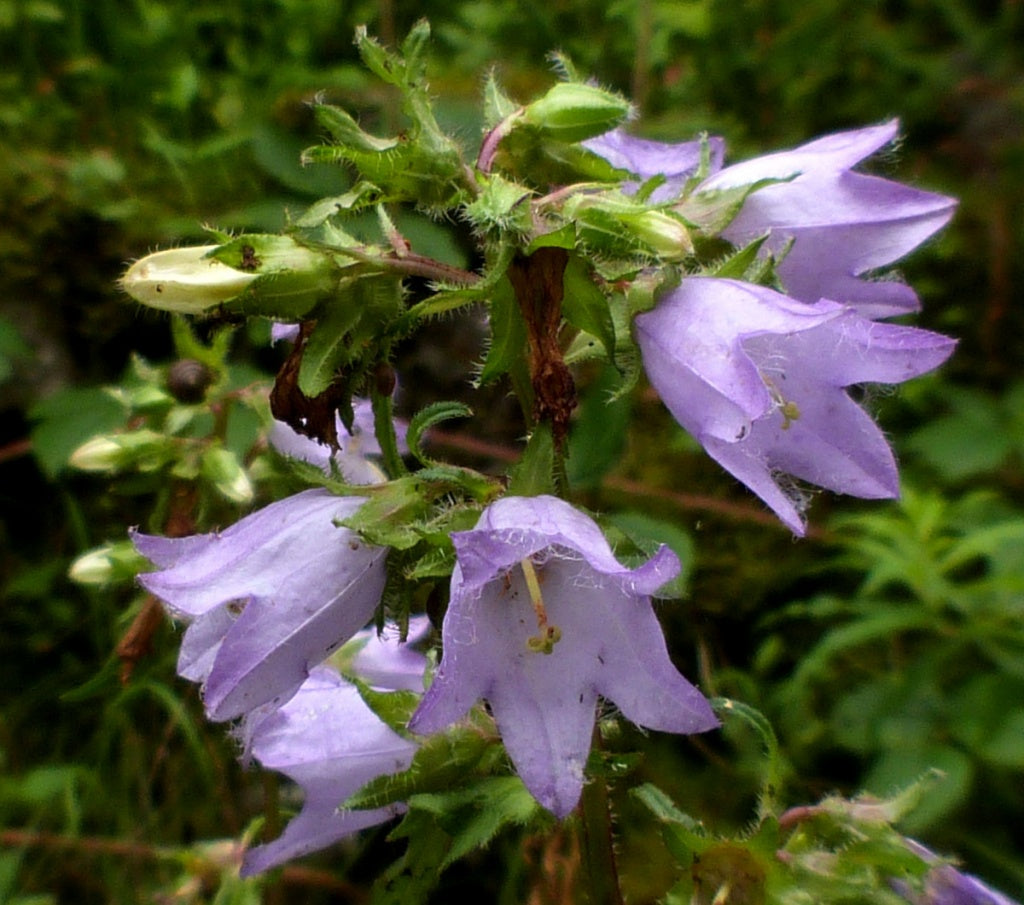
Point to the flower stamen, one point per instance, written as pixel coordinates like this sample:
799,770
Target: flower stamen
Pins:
548,635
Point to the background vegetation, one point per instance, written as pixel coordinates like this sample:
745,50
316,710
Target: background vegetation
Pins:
890,642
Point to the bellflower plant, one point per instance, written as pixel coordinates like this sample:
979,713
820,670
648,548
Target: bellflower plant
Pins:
543,619
747,294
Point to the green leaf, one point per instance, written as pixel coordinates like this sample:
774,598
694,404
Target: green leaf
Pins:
533,474
67,419
441,763
328,348
508,335
426,418
597,436
473,816
585,306
648,533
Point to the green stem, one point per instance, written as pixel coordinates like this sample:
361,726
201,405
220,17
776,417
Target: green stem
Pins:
598,848
384,428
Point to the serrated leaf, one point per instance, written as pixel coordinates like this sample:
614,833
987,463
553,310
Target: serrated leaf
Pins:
473,816
736,266
597,436
533,474
393,707
346,131
426,418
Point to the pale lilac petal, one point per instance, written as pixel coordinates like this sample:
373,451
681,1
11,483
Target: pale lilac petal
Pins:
611,644
693,356
842,225
646,159
945,885
270,649
202,640
834,225
764,392
268,598
385,662
839,151
328,741
284,333
277,545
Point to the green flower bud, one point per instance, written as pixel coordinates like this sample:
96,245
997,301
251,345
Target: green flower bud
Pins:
222,469
184,280
571,111
662,232
144,449
107,564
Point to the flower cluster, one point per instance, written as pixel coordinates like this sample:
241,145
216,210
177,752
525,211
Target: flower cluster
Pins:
758,376
543,620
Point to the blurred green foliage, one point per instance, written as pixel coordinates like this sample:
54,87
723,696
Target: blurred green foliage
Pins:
888,645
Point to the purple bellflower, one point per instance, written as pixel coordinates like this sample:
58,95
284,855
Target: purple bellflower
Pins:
267,599
945,885
759,380
331,743
646,159
542,620
833,225
836,224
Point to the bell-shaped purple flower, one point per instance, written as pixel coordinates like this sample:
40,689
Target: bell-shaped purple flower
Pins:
945,885
267,599
836,224
328,741
542,620
385,661
759,379
647,159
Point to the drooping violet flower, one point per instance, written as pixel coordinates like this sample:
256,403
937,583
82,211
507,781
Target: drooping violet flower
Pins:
542,620
267,599
759,379
328,741
837,224
646,158
945,885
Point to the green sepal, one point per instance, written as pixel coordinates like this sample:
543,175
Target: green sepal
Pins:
346,131
426,418
713,211
349,330
563,237
501,205
443,761
497,105
390,515
362,195
743,264
585,306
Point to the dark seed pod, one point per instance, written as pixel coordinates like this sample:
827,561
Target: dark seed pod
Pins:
188,379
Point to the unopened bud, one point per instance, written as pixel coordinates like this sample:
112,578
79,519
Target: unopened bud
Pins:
222,469
572,111
184,280
109,563
662,232
144,449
